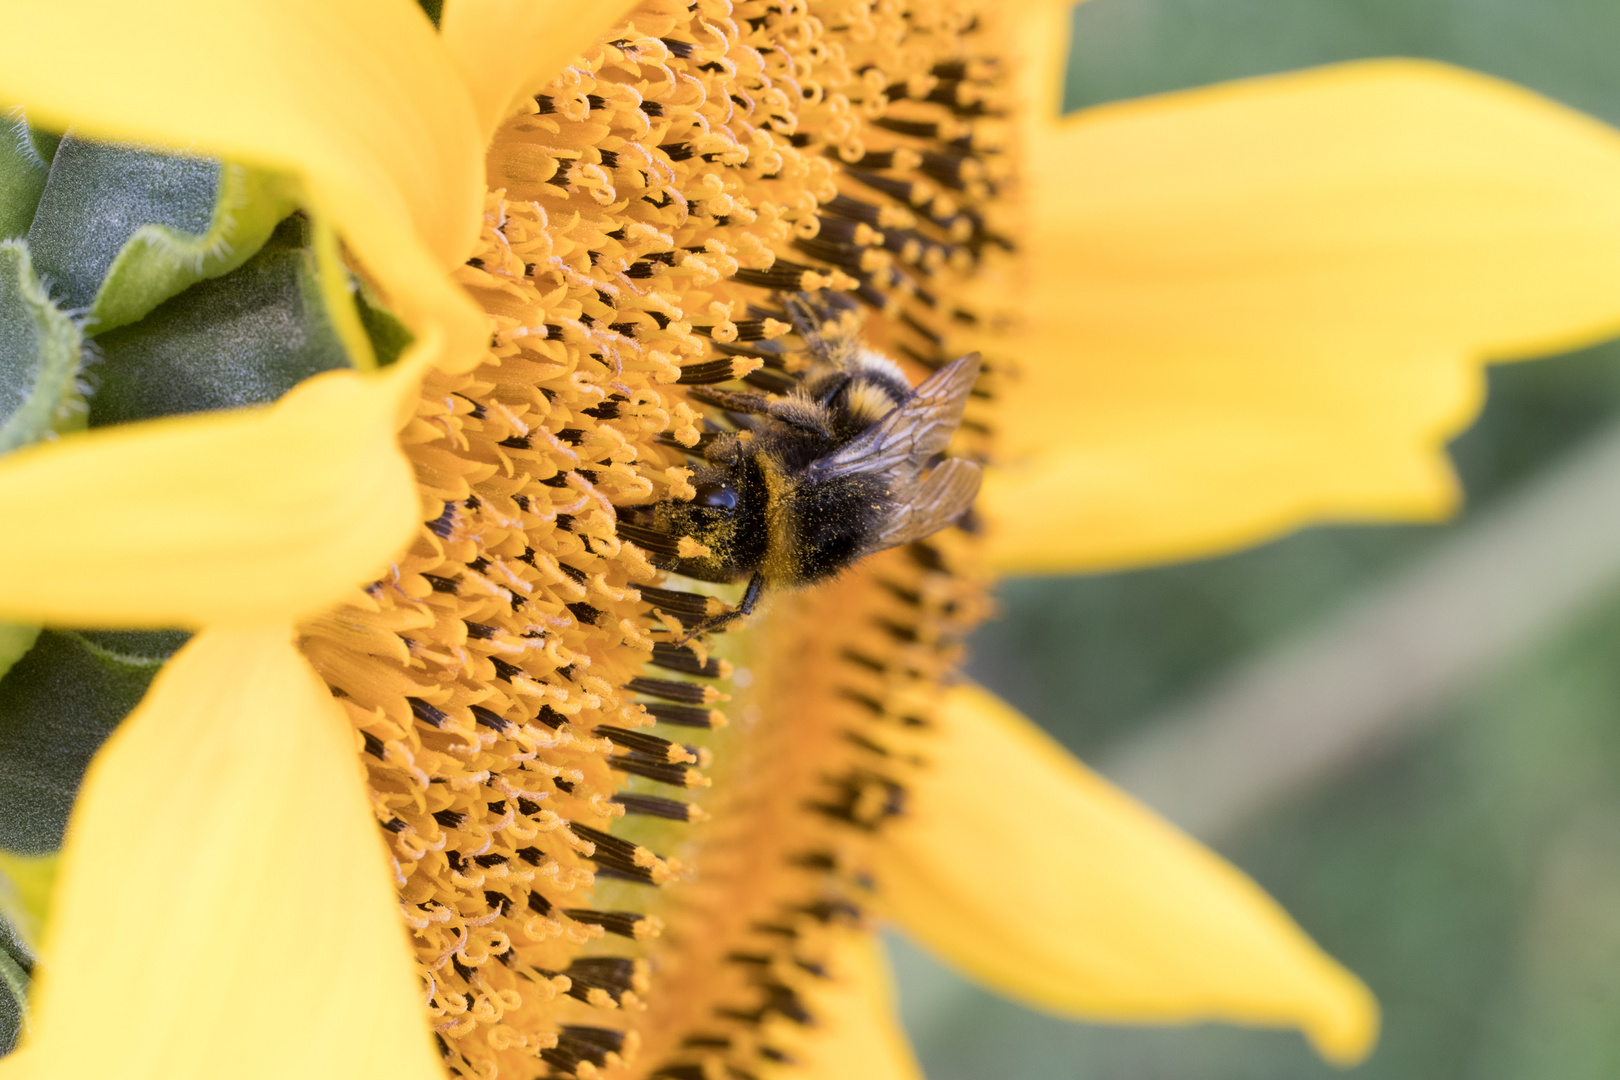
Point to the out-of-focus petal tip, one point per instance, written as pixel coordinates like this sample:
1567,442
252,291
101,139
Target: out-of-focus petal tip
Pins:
1043,881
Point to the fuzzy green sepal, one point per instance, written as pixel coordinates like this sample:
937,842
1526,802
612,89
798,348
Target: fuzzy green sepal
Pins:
40,350
242,339
120,229
25,162
58,704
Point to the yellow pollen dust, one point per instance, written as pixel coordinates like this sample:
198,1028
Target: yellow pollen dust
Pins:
541,749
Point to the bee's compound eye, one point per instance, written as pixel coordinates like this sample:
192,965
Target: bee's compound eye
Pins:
719,496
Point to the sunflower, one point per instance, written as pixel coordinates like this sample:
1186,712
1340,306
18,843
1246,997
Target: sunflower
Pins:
440,781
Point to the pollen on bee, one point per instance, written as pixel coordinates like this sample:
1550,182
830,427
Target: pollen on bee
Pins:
689,548
679,480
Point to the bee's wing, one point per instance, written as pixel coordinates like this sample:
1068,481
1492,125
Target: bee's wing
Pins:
912,432
943,496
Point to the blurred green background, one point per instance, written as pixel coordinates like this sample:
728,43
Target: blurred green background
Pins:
1464,858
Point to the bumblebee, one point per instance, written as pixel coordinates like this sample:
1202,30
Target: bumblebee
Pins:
849,463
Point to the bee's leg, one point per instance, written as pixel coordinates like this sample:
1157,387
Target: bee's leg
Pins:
812,318
786,410
756,587
808,319
745,402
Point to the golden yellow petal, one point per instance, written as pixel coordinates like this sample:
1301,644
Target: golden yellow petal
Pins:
224,906
1040,44
857,1031
1038,878
359,99
1266,302
214,518
505,48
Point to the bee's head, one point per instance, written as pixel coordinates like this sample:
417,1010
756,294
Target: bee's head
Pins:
716,517
716,495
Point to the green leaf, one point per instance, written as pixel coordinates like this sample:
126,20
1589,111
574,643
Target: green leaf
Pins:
15,641
39,356
242,339
57,705
25,889
120,229
389,337
26,884
16,972
25,162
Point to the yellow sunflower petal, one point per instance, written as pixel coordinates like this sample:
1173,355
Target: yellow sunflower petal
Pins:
357,98
504,47
1266,302
1060,890
857,1032
224,906
219,517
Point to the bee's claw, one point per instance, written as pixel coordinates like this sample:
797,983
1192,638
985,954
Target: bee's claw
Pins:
711,624
756,585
